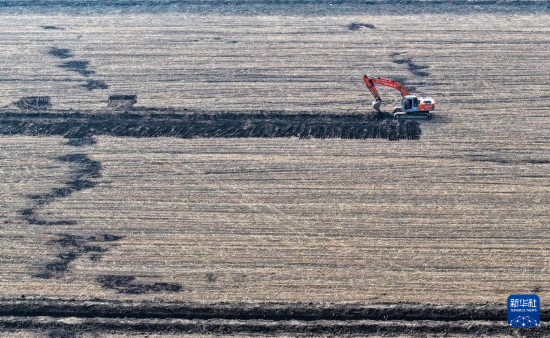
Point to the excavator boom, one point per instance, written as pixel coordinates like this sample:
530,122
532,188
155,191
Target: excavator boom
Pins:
384,82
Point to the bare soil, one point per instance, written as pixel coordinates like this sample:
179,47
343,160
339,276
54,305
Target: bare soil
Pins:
212,231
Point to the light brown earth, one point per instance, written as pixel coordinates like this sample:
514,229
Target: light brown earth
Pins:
458,217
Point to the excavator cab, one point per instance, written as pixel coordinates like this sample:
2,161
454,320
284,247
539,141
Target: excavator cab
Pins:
409,104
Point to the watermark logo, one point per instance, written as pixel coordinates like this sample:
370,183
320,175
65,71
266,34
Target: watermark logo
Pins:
523,310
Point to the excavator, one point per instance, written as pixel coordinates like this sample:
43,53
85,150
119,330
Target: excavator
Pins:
412,107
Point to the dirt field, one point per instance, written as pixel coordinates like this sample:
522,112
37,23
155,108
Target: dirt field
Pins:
411,237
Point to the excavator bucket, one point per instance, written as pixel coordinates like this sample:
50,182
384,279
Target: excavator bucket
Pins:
376,106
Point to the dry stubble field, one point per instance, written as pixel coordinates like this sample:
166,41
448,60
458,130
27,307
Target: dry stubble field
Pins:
458,217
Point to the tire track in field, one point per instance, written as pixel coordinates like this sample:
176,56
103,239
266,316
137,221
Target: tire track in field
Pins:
413,67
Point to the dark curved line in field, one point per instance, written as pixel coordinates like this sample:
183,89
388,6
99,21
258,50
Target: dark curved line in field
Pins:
83,171
62,53
80,67
95,84
74,247
412,66
207,125
127,284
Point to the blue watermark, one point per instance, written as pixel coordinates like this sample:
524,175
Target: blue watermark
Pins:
523,310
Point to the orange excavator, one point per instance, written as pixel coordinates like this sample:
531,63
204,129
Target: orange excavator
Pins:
412,107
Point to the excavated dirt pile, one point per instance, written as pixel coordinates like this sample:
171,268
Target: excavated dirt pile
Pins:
207,125
33,103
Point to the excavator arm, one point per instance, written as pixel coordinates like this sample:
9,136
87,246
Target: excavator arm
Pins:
384,82
372,88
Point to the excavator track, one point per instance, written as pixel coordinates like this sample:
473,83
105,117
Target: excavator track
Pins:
409,116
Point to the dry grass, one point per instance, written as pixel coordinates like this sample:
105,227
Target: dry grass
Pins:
459,216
